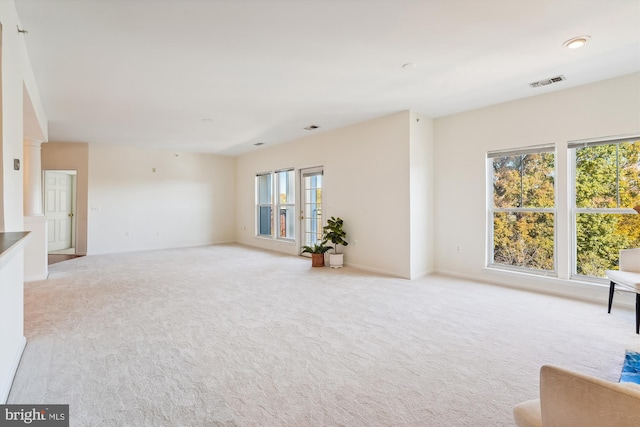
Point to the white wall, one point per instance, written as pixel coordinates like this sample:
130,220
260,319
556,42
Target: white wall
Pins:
610,107
421,189
13,54
188,201
14,74
366,183
35,254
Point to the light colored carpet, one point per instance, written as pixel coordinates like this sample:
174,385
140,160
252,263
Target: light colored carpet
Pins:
230,336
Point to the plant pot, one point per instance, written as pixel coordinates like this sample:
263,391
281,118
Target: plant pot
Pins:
317,260
336,260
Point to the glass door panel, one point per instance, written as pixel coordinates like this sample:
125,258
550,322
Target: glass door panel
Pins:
311,209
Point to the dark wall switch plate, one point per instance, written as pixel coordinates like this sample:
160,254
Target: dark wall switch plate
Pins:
16,164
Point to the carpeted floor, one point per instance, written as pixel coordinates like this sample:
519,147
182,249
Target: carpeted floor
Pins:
230,336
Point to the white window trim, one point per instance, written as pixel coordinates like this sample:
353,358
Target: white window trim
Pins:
258,205
571,147
275,207
278,205
546,148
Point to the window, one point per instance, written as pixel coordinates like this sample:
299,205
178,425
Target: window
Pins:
282,185
522,210
606,177
265,204
286,204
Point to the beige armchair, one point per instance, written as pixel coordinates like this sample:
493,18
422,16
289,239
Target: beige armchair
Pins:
570,399
627,278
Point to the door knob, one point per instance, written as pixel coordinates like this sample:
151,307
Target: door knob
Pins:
70,215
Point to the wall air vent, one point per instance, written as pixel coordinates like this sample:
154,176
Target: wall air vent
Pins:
546,82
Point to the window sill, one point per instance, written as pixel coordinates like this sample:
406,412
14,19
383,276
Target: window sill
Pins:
272,239
528,272
549,277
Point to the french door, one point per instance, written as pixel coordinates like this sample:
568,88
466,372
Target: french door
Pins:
311,207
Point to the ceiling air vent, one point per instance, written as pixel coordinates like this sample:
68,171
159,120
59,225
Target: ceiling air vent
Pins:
547,82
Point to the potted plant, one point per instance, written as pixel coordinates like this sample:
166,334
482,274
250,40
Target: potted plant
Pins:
334,233
317,252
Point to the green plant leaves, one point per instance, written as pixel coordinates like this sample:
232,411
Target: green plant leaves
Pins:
334,233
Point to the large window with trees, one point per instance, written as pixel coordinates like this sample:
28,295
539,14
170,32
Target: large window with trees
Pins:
522,210
606,177
275,204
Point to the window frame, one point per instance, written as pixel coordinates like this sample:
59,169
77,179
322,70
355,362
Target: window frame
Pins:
291,193
492,209
572,146
275,205
260,204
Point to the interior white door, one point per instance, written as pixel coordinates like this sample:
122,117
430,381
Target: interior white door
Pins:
311,209
58,202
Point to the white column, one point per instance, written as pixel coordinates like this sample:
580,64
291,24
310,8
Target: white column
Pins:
32,178
35,251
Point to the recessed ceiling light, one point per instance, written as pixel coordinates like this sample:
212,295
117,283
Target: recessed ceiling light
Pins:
576,42
312,127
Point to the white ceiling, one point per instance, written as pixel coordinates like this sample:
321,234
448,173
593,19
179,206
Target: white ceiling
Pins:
218,76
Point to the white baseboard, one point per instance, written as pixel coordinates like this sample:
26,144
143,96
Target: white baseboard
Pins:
375,270
5,384
35,278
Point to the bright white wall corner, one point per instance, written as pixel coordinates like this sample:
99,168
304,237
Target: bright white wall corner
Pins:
152,199
610,107
35,129
421,194
366,182
13,55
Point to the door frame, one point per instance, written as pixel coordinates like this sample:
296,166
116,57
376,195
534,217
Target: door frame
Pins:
301,206
73,173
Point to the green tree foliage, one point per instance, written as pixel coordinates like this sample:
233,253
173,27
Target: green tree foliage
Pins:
524,239
521,238
607,177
